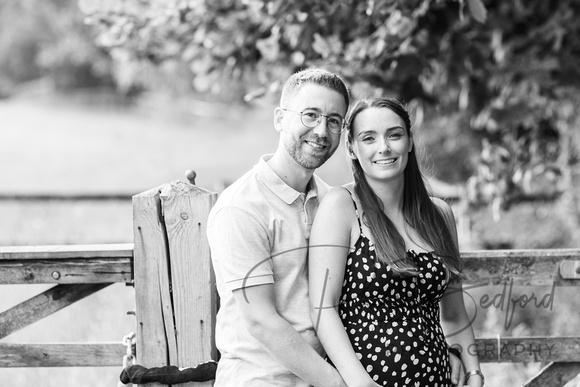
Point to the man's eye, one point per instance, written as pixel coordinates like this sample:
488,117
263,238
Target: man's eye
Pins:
334,121
311,115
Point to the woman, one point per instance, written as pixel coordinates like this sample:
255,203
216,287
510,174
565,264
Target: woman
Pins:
383,258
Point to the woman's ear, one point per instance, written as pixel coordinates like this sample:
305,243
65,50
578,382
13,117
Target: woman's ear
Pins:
350,151
410,144
278,115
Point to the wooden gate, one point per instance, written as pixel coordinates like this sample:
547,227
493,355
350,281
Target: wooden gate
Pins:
77,271
176,300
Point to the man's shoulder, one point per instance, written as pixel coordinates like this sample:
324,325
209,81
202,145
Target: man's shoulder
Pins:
244,194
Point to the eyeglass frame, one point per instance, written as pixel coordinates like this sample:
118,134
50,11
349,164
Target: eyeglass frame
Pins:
342,119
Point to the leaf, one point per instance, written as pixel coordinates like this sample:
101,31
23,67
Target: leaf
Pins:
326,47
269,47
320,45
477,10
400,25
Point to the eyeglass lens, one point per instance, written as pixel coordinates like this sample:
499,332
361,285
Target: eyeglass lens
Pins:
311,118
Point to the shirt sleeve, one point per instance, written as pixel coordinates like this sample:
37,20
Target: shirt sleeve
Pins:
240,248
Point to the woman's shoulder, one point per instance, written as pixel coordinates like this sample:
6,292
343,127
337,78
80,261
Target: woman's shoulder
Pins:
338,195
335,212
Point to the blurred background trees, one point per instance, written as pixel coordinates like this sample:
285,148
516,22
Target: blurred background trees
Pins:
48,40
496,82
493,84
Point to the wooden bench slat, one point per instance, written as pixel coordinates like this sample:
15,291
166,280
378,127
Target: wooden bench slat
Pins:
185,211
62,355
155,330
528,349
66,271
113,250
523,267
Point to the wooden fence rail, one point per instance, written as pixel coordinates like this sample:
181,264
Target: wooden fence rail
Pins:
176,302
77,272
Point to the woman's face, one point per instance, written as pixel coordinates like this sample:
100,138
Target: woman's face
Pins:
381,144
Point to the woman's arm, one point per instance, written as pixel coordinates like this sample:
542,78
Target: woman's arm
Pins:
329,246
454,319
458,331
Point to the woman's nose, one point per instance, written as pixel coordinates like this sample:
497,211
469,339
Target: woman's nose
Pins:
384,147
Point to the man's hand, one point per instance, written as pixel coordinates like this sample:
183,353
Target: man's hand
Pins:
457,370
258,309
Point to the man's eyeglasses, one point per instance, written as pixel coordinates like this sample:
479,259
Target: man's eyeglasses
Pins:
311,119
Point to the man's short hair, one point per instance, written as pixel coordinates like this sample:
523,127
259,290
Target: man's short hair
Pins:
315,76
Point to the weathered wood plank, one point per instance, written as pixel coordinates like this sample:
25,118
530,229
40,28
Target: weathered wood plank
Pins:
524,267
44,304
43,197
155,333
112,250
186,209
62,355
527,349
554,375
66,271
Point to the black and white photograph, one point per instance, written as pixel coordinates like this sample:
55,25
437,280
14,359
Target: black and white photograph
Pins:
291,193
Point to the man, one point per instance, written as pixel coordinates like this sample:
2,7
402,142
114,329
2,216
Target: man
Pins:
258,234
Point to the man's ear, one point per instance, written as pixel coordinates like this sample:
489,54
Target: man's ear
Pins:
278,115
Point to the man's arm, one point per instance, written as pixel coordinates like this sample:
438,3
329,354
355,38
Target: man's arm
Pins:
280,339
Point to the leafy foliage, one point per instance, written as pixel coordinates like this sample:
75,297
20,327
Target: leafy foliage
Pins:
48,39
510,69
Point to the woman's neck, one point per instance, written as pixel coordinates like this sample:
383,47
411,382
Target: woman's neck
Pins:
391,196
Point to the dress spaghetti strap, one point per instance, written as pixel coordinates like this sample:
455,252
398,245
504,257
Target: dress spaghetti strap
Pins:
355,210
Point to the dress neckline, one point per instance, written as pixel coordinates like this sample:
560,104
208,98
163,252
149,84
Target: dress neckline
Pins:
418,253
411,251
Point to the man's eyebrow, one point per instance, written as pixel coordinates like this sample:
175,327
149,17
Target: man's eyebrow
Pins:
320,111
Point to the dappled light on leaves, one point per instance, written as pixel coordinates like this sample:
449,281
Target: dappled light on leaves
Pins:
508,69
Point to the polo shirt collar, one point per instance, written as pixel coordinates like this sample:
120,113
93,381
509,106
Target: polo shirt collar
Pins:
278,186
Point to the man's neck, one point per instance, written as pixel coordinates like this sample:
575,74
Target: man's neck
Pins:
290,172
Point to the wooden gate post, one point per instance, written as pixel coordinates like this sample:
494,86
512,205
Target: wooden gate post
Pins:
174,281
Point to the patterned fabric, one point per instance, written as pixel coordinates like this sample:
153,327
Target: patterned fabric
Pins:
393,321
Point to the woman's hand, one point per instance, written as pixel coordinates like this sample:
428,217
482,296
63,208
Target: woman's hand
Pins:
457,370
474,381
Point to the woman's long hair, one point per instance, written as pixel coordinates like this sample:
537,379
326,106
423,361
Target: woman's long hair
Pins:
418,209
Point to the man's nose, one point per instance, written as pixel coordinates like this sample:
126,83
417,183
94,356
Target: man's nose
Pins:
321,128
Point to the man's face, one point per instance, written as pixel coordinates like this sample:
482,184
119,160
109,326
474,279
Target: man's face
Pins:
310,147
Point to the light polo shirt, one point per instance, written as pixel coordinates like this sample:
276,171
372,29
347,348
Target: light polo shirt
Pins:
258,233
